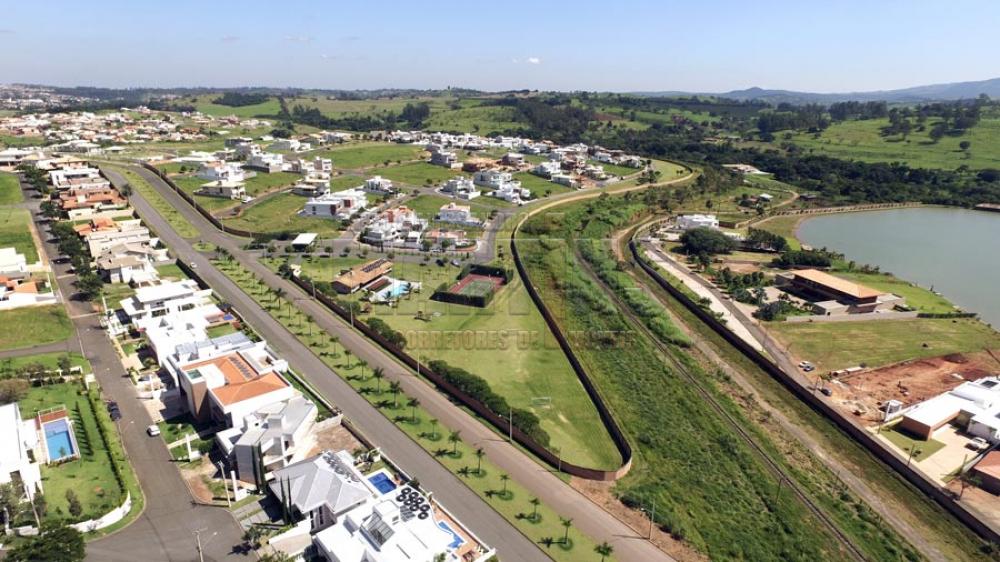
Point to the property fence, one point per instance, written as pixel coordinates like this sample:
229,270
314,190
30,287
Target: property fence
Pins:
848,426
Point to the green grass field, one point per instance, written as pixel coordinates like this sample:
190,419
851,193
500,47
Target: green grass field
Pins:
540,187
10,189
36,325
204,104
19,141
917,297
480,120
162,207
366,155
263,183
862,140
15,225
784,225
922,448
90,476
506,343
279,213
47,360
418,174
838,345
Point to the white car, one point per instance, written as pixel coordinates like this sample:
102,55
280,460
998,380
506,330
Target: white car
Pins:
153,430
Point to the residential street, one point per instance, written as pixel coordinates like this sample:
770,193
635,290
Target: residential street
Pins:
587,516
165,532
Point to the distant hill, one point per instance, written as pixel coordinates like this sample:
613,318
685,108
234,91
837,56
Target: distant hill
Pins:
933,92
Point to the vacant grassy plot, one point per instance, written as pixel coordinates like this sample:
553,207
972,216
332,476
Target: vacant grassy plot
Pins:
427,206
838,345
340,183
34,325
506,343
784,225
418,174
366,155
90,477
480,120
205,105
192,184
15,225
170,271
263,183
10,189
540,187
669,170
279,213
915,295
862,140
18,141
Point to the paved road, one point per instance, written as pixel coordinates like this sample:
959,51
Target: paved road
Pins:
588,516
165,530
64,346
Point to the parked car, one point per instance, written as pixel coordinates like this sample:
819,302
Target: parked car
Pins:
808,368
978,444
153,430
115,415
826,391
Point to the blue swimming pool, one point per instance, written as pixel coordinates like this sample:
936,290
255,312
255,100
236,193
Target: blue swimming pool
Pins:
58,441
382,482
456,539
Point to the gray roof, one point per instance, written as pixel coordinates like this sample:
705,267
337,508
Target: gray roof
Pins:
278,420
325,479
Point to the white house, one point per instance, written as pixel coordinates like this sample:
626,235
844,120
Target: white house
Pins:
444,158
224,189
222,171
122,232
164,299
12,263
461,187
396,225
493,179
281,432
547,169
336,205
974,405
458,214
687,222
322,489
79,178
269,162
512,192
226,379
129,263
18,439
379,185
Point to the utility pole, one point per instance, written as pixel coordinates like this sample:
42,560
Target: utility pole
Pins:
510,425
652,518
201,555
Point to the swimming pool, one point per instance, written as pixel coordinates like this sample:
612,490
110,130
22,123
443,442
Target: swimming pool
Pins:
382,482
59,441
456,539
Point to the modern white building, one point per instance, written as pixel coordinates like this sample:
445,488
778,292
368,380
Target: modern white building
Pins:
379,186
66,178
121,232
687,222
222,171
224,189
129,263
461,187
458,214
336,205
18,440
397,225
547,169
444,158
226,379
274,436
322,489
269,162
165,299
493,179
973,405
12,262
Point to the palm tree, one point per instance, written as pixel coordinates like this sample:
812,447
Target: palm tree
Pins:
278,293
348,353
309,320
378,373
362,363
480,453
334,340
455,437
394,388
504,478
434,428
566,523
413,403
604,549
534,505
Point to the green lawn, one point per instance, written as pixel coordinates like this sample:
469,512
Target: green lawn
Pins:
49,361
191,184
418,174
18,141
171,271
916,296
90,476
507,343
481,120
15,230
35,325
540,187
784,225
263,183
862,140
616,170
175,429
220,330
838,345
279,213
427,206
10,189
921,448
364,155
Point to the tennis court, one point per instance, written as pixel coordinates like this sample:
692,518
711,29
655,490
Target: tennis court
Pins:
475,285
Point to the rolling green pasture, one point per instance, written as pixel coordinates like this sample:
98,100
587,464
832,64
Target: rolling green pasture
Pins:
205,105
418,174
366,155
279,213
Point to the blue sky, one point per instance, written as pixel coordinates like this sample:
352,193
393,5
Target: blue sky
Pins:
709,45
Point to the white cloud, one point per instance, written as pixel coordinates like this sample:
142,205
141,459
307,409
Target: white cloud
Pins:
299,38
533,60
229,39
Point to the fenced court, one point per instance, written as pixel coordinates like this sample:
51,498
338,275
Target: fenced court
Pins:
476,285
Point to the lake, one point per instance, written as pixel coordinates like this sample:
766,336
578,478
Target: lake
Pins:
957,251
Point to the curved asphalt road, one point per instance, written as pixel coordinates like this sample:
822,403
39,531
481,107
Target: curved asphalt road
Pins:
587,516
